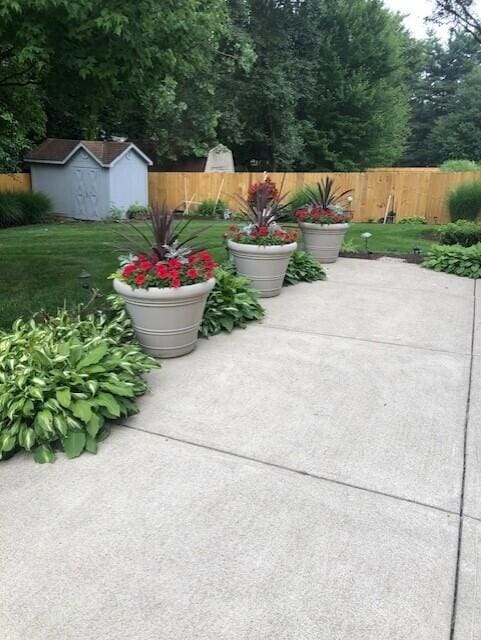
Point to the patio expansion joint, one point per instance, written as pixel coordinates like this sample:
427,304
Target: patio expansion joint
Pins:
463,474
300,472
309,332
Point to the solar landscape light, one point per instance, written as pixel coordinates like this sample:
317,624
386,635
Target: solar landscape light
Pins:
84,278
366,235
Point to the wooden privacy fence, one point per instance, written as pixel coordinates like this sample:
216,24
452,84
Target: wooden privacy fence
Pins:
15,182
421,192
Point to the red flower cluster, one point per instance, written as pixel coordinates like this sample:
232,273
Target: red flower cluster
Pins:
321,216
269,186
263,236
144,273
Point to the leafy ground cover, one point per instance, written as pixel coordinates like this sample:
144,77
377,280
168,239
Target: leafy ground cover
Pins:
39,265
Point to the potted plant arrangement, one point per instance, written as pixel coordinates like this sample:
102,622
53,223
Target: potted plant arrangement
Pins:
262,248
165,285
324,220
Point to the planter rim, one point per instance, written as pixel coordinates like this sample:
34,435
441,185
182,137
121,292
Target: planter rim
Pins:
166,293
316,225
257,248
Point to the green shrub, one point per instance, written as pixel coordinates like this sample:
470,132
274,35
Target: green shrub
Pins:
413,220
303,267
23,207
62,378
232,303
461,261
465,201
11,213
453,166
461,232
211,208
137,211
36,206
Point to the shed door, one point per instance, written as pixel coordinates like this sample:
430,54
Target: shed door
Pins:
86,196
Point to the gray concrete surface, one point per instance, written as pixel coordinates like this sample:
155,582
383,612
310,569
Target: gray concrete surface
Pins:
468,608
336,408
333,511
472,497
155,539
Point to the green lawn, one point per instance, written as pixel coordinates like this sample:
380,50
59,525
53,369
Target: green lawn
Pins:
40,264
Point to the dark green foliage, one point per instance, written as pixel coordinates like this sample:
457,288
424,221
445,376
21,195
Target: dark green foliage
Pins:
351,77
11,213
211,208
303,267
465,201
23,207
461,261
36,206
318,104
461,232
232,303
453,166
143,69
413,220
137,212
62,378
457,134
437,76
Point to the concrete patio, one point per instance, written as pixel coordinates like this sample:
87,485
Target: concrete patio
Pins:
316,476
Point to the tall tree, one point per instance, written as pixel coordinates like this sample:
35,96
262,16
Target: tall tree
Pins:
353,106
461,14
95,67
457,134
443,69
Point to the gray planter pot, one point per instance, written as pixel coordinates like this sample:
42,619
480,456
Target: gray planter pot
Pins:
323,241
265,266
166,321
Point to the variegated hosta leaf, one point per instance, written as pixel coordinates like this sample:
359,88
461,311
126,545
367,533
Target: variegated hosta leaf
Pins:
62,377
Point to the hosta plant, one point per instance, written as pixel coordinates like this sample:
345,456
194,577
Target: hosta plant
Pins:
461,261
232,303
303,267
413,220
62,378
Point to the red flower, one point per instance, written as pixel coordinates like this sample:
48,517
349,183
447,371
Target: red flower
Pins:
204,256
162,270
146,265
140,279
263,231
175,264
192,274
232,228
128,270
175,282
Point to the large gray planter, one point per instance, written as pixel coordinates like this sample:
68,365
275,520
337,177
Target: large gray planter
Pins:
323,241
265,266
166,321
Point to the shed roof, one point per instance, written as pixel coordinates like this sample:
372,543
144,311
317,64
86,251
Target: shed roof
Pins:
59,151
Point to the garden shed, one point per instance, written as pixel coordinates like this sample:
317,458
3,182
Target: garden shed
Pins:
85,178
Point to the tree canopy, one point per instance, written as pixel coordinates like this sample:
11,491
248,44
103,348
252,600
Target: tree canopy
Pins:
288,85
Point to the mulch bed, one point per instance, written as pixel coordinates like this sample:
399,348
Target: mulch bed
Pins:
412,258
